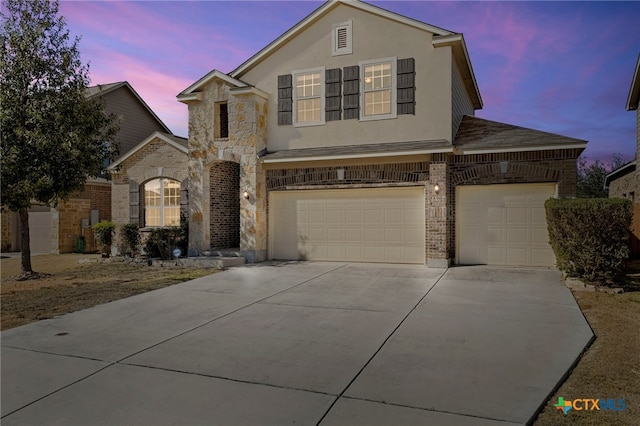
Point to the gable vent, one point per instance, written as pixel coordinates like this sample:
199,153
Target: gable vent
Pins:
341,39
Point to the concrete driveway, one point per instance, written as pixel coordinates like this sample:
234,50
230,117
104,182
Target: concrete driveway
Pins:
304,343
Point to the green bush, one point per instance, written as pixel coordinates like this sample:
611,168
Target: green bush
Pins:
162,241
104,232
590,237
130,236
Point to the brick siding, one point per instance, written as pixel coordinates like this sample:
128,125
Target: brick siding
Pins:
353,175
225,205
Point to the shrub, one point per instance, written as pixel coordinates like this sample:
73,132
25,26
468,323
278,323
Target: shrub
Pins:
104,232
590,237
162,241
130,236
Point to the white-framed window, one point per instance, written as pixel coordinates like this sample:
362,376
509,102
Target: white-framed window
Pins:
162,202
378,89
341,39
308,97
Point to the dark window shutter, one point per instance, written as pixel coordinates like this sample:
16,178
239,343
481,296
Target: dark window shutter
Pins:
285,99
134,202
184,199
351,90
333,79
406,98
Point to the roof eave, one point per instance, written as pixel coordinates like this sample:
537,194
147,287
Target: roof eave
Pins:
619,172
634,92
206,79
267,160
142,144
128,86
526,148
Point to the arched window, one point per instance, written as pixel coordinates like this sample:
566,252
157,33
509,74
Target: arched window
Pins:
162,202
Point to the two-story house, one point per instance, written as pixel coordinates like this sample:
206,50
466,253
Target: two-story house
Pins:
352,137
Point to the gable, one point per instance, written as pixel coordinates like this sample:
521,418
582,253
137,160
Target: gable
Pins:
137,120
134,155
320,13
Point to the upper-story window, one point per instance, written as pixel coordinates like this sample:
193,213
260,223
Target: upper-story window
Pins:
162,202
378,89
308,92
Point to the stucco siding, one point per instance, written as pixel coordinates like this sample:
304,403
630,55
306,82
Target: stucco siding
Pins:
460,100
374,37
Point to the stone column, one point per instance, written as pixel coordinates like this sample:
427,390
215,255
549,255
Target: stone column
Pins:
438,224
247,135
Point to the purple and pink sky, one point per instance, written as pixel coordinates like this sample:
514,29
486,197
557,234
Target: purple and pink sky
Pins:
561,67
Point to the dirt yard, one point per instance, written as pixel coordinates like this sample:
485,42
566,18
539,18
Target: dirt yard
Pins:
73,285
609,369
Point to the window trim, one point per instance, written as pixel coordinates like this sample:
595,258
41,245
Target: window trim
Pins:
393,89
162,206
294,74
348,49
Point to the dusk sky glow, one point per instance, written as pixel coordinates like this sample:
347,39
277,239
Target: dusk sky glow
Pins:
560,67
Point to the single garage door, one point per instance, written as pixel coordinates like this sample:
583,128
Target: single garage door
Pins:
357,225
40,232
503,224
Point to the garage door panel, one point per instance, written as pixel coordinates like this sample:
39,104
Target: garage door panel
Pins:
518,215
369,225
503,224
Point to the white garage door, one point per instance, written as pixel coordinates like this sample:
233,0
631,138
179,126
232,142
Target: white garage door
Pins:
40,232
503,224
358,225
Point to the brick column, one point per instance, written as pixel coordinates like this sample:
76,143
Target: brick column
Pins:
437,222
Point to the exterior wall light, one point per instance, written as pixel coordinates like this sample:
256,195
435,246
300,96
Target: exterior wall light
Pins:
436,188
245,194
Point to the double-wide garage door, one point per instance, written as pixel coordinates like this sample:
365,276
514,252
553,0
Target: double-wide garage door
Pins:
503,224
358,225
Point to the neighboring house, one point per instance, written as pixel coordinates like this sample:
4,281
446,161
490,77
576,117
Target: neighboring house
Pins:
56,229
352,137
624,182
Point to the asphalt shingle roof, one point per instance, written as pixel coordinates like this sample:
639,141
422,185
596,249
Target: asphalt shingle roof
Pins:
480,134
379,149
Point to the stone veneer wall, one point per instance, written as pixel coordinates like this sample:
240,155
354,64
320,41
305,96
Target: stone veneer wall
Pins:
225,205
247,112
156,159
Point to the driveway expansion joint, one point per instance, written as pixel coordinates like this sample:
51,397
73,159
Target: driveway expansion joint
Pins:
435,282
